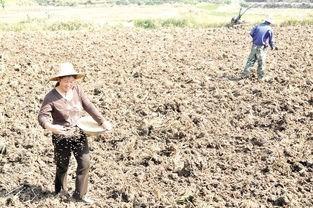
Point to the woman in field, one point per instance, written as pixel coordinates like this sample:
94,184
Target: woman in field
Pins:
64,105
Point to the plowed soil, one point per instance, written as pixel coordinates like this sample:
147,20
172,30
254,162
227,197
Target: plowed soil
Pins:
187,133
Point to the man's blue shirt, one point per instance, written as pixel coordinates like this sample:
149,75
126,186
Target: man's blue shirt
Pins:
262,34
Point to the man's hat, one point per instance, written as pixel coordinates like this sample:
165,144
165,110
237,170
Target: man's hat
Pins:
268,20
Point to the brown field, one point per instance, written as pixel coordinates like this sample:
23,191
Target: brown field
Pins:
186,133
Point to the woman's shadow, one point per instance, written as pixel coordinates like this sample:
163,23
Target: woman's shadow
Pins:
24,193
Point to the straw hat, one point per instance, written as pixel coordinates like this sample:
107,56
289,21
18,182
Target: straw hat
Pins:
66,69
90,126
269,20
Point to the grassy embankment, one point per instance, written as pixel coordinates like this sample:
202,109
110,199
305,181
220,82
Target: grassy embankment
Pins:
28,16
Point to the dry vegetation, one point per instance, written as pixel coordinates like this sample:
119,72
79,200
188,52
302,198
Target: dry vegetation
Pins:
186,133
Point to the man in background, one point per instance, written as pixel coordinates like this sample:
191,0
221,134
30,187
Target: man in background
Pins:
262,37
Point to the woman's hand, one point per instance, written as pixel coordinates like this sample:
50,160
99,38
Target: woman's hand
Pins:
107,125
56,129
